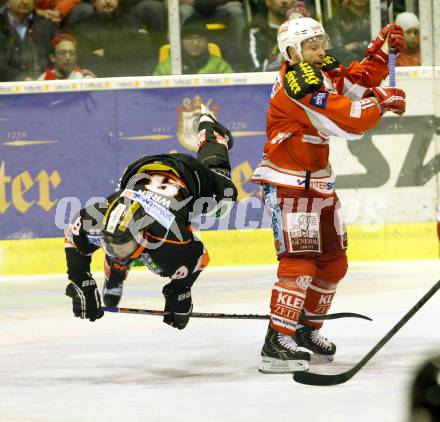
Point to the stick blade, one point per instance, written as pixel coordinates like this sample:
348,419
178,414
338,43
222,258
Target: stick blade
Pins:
311,378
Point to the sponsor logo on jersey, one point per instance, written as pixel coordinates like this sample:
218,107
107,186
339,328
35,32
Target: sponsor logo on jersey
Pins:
276,86
289,300
94,240
156,210
319,99
309,75
157,198
318,185
304,281
292,82
303,232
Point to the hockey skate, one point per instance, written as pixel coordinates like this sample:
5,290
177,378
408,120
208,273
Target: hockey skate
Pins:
281,355
208,122
310,338
112,293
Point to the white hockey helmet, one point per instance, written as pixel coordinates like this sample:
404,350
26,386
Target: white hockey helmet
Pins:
294,31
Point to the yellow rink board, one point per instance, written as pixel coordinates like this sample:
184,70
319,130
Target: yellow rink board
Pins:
238,247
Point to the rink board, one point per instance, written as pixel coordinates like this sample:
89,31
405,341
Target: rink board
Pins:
63,144
237,248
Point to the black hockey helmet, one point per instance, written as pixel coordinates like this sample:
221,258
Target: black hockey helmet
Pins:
124,228
425,393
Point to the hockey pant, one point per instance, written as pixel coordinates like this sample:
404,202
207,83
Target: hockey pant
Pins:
311,242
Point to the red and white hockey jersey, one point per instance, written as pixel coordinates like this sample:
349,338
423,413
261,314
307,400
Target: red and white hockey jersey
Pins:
298,130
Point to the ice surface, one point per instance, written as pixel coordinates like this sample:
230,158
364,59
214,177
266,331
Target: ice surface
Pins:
54,367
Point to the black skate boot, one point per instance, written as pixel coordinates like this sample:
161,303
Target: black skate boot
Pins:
220,133
281,355
310,338
112,292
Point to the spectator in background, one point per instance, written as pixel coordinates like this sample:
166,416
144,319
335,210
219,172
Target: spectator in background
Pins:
411,27
227,13
350,30
63,58
55,10
151,14
196,57
25,41
260,48
112,43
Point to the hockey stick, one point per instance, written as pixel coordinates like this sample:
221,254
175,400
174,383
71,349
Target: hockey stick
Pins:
311,378
391,53
233,316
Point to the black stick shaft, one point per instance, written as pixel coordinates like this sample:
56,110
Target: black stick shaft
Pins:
311,378
233,316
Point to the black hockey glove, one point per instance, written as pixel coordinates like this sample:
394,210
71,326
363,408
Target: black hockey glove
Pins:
178,305
85,299
302,79
330,63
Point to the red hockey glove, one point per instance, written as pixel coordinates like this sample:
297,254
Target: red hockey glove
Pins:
390,99
396,40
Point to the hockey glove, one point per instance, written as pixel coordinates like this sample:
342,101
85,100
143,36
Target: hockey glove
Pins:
330,63
379,50
302,79
390,99
85,299
178,305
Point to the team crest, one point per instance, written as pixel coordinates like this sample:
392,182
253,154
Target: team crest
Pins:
188,120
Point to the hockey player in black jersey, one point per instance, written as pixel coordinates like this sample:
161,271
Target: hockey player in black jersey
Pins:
148,219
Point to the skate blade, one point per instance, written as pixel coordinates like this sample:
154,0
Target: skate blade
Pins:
277,366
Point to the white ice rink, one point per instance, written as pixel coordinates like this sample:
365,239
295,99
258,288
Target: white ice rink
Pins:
56,368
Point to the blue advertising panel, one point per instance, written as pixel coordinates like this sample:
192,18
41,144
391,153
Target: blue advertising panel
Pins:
59,150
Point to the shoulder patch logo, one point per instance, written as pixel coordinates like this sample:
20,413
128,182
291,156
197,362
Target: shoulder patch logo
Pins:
319,99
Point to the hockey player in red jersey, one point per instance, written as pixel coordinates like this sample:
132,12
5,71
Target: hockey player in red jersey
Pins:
148,219
312,99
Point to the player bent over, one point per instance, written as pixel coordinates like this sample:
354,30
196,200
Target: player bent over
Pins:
313,98
148,218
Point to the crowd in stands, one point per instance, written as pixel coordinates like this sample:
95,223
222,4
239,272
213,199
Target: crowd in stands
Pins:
70,39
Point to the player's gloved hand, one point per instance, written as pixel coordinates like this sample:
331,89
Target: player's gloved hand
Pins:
86,302
302,79
330,63
379,49
389,99
178,305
